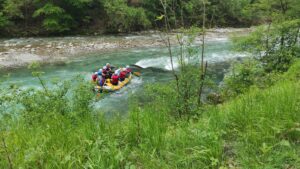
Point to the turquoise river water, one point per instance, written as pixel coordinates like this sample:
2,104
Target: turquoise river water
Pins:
155,61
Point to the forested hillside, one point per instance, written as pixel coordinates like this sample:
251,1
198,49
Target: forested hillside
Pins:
57,17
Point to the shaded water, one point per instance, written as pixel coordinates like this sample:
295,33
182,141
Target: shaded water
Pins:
154,60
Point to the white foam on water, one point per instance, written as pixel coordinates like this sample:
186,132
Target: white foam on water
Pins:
165,62
148,50
114,102
223,39
223,56
161,62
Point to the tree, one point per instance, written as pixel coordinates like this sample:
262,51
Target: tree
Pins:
3,18
3,21
64,15
19,11
79,9
122,18
13,8
219,13
190,79
277,44
55,19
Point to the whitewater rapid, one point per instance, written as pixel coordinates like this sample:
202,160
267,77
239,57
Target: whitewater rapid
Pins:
164,62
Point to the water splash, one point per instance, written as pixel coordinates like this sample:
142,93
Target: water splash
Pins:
162,62
165,62
118,101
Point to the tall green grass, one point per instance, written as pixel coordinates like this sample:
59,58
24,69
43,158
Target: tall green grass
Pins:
260,129
263,127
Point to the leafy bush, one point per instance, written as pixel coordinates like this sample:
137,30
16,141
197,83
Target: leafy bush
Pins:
55,18
241,77
293,73
276,46
58,129
122,18
3,21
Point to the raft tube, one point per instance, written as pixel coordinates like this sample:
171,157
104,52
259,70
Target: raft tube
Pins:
108,87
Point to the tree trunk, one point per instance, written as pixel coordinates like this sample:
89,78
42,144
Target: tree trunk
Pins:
168,44
296,37
267,40
203,67
181,14
203,76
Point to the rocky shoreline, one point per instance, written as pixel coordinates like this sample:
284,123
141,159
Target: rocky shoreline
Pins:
20,52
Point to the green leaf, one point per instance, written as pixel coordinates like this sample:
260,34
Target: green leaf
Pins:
285,143
160,17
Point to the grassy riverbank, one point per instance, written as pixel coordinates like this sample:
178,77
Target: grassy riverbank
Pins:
56,129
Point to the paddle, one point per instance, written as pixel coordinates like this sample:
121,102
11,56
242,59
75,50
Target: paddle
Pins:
138,74
137,66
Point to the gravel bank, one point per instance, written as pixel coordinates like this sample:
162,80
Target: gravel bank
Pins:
20,52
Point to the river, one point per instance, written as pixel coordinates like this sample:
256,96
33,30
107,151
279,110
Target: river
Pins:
155,60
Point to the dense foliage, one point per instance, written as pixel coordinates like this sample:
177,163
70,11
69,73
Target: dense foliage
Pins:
275,44
274,47
55,17
122,18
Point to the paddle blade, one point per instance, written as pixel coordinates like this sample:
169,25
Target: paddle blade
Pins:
137,74
137,66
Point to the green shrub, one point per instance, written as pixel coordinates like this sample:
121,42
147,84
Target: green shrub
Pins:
3,21
55,18
275,46
241,77
56,128
122,18
294,72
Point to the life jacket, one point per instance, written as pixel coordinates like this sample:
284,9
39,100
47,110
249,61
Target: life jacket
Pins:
94,77
118,71
115,79
104,73
123,75
109,73
101,81
108,69
128,70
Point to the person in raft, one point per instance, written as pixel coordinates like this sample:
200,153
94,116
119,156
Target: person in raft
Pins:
128,70
105,73
109,69
99,73
118,71
123,74
95,76
115,79
101,80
